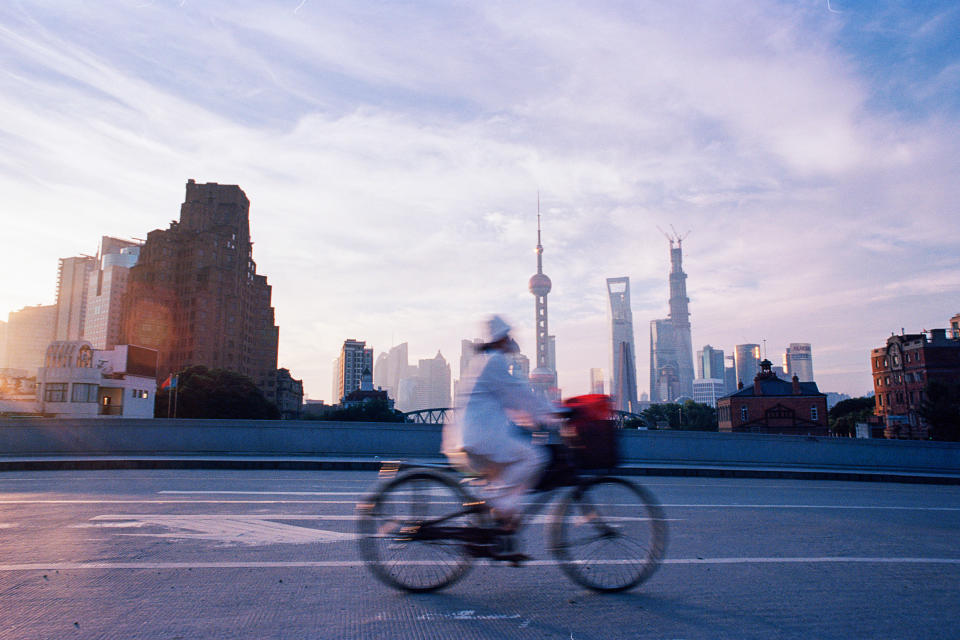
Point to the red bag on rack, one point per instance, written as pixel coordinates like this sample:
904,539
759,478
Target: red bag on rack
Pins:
591,433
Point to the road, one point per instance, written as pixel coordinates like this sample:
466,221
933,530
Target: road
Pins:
172,554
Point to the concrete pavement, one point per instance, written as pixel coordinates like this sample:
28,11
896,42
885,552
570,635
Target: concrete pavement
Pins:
271,554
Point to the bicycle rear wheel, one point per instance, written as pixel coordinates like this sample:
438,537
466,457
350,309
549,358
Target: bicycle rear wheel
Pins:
608,534
396,539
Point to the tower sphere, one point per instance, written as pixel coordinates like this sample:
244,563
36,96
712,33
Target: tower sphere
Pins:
540,284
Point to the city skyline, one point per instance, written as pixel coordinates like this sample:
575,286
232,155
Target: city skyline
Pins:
392,156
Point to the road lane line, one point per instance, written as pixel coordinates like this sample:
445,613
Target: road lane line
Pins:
335,564
353,502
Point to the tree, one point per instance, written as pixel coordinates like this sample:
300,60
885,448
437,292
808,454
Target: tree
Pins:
376,410
217,393
941,411
844,416
690,416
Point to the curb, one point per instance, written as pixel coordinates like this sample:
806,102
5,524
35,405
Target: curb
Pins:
373,464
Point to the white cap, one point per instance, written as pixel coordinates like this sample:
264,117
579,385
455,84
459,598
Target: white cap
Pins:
495,329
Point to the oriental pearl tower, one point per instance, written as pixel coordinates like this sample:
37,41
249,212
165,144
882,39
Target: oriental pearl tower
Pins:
544,377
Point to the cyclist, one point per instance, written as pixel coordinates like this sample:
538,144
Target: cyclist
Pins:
482,438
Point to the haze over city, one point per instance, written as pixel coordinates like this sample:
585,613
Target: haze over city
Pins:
393,156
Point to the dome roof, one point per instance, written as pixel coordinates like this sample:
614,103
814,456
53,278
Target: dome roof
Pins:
540,284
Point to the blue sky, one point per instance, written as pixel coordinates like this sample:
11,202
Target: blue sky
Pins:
393,152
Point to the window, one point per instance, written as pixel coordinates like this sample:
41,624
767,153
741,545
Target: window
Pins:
813,413
880,400
743,413
55,392
83,392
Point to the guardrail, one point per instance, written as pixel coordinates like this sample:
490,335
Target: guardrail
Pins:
38,437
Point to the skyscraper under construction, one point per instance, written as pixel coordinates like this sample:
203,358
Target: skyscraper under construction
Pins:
671,349
195,295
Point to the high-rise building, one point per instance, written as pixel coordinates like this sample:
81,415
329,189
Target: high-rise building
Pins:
29,332
730,374
195,295
391,367
544,377
426,386
746,358
73,277
798,361
107,290
671,347
435,374
710,363
468,348
355,358
664,373
596,380
623,363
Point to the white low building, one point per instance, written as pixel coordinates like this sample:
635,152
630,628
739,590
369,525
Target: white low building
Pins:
708,391
78,381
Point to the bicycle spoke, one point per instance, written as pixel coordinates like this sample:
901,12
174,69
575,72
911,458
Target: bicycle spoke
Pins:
609,534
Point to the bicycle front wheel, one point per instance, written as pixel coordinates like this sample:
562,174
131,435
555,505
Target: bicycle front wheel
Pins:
608,534
395,527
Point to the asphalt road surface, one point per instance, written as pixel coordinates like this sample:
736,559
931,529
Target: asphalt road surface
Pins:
271,554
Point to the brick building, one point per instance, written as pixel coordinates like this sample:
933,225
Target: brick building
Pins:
772,405
195,296
901,371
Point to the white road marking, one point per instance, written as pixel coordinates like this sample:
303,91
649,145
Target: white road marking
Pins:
269,493
353,502
334,564
253,531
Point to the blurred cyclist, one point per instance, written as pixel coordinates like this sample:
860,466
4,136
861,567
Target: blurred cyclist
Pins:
482,438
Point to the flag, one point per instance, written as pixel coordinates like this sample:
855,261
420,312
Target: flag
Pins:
169,383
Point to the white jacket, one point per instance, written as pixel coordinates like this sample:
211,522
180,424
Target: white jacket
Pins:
481,424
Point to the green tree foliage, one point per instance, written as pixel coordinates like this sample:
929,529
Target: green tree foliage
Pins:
844,416
217,393
941,411
690,416
376,410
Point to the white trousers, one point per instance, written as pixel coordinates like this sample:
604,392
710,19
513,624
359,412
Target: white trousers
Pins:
507,482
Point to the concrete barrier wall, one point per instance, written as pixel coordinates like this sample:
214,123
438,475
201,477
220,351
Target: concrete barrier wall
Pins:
120,437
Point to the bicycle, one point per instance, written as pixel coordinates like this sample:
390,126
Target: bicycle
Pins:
422,529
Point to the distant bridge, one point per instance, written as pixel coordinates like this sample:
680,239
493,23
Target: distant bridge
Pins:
439,416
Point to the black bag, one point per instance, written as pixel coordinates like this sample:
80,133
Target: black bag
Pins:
591,433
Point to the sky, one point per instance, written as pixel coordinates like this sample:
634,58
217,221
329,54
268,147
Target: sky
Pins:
393,153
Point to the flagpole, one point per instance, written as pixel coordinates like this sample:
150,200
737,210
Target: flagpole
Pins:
176,388
168,398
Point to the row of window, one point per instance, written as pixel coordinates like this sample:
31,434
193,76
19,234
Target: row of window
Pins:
898,379
883,363
80,392
900,397
745,413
